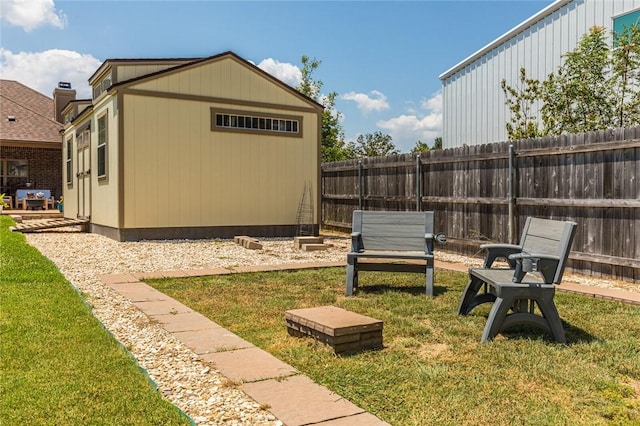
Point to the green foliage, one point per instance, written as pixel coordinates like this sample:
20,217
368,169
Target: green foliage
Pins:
579,96
626,76
437,142
373,145
333,144
420,147
433,369
596,88
520,100
59,365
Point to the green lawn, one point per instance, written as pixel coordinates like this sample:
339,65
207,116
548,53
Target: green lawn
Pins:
433,370
59,366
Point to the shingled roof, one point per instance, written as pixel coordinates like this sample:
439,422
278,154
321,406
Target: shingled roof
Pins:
33,112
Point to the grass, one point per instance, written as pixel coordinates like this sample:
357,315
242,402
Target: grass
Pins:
59,365
433,370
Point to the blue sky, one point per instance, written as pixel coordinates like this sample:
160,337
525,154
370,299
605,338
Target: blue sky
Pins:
382,58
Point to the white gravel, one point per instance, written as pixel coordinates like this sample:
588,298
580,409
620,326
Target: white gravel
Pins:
182,377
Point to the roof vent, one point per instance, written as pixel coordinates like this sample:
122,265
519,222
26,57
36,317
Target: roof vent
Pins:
11,118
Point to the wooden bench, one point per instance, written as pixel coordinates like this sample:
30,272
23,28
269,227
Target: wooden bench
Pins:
536,266
392,236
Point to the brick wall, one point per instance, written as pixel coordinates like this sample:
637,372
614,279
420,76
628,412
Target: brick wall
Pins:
45,166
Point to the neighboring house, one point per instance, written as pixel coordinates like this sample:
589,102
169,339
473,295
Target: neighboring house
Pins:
191,148
474,110
30,141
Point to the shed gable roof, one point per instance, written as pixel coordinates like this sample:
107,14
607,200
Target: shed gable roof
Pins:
216,58
33,114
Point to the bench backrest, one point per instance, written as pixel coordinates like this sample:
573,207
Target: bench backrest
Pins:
22,193
393,230
551,237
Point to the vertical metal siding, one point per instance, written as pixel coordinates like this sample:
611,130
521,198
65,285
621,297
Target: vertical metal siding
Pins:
475,110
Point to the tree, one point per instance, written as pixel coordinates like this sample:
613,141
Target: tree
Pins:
333,144
579,96
626,76
373,145
520,100
420,147
596,88
437,142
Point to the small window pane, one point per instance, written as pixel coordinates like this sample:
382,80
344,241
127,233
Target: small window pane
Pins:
241,122
295,126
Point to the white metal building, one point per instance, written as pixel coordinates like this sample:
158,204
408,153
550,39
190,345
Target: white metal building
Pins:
474,104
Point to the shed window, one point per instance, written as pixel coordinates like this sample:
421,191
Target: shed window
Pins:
256,123
102,146
68,161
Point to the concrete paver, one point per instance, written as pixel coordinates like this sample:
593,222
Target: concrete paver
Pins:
186,321
249,364
297,400
158,307
214,339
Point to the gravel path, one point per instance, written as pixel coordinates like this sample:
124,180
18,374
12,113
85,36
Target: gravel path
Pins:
184,379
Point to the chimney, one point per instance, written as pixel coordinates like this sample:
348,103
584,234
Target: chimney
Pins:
62,95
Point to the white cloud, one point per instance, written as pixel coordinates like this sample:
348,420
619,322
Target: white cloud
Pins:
42,71
30,14
434,103
375,101
284,71
406,130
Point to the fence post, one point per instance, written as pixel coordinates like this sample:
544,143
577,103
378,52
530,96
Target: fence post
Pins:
418,184
359,184
511,198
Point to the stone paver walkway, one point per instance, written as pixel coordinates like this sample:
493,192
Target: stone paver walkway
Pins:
292,397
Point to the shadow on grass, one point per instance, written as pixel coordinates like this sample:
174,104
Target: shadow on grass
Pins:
394,288
574,335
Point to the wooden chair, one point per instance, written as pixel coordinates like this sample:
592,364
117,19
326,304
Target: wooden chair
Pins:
392,236
536,266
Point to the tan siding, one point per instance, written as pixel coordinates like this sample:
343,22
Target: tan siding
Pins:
174,161
104,193
223,78
129,71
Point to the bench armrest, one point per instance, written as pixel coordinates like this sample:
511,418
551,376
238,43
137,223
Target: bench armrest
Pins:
500,251
546,264
429,238
356,242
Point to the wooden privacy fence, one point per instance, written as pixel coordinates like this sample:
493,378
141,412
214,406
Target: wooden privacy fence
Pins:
484,193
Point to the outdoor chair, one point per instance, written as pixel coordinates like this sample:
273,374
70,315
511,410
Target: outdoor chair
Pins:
536,266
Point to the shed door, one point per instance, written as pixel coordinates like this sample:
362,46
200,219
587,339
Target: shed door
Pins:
84,176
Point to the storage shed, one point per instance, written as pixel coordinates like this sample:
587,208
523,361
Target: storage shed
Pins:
474,110
191,148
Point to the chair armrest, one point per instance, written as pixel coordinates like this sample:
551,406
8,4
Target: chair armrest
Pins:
546,264
500,251
356,242
429,238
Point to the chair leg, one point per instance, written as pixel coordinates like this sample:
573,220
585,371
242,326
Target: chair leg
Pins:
470,297
512,299
429,284
496,317
352,276
550,314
